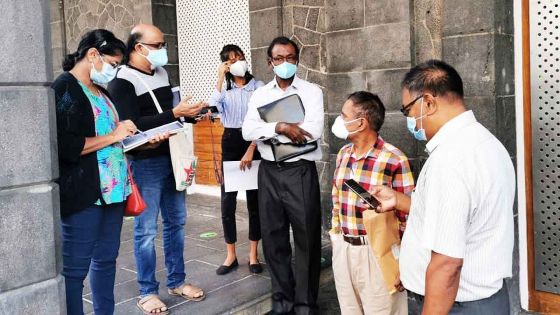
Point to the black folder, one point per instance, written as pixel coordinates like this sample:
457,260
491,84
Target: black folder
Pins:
288,109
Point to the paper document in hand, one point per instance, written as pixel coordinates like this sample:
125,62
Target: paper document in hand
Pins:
238,180
141,138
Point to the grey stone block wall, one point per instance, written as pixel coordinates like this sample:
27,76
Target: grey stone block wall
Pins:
71,19
346,46
58,33
164,16
117,16
29,207
370,44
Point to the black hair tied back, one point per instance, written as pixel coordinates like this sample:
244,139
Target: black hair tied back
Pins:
102,40
69,61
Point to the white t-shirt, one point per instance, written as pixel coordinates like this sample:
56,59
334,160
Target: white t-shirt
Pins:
462,207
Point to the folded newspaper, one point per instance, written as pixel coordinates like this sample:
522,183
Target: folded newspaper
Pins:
143,137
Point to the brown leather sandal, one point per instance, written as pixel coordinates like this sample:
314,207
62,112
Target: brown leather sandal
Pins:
151,304
188,292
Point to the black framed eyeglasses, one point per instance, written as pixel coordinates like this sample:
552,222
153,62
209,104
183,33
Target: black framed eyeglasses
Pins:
281,59
405,109
156,45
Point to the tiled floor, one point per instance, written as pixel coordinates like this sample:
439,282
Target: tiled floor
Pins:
202,257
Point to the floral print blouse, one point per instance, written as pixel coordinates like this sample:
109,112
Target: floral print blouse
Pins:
113,172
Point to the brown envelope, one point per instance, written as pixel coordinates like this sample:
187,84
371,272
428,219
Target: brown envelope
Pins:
383,235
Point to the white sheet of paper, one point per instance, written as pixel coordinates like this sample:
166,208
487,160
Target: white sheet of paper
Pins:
238,180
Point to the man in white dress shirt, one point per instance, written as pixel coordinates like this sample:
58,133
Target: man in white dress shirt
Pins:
458,245
289,191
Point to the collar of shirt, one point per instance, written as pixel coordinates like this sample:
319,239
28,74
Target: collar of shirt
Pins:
296,83
449,129
249,87
373,152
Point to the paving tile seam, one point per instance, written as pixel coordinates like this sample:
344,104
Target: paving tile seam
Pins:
216,289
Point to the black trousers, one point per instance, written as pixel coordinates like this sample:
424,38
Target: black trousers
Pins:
233,149
289,196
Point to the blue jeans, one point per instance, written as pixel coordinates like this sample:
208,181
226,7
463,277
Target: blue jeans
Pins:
90,242
154,177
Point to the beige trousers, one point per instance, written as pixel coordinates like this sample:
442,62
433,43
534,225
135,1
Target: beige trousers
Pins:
359,283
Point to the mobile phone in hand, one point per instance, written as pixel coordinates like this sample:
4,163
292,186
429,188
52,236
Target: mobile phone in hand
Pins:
362,193
211,109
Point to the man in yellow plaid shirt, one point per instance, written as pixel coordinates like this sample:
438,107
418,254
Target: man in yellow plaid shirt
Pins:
370,161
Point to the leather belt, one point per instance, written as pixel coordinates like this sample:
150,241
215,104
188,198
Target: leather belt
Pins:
355,240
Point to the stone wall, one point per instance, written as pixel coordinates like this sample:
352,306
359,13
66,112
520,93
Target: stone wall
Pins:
164,16
350,45
339,54
118,16
70,19
370,44
30,280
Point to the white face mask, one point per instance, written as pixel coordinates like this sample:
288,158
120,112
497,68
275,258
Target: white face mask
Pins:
239,68
339,128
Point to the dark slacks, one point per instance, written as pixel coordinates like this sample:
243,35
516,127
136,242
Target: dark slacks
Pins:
233,149
497,304
289,196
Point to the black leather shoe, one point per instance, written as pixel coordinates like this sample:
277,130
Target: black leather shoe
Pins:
223,269
255,268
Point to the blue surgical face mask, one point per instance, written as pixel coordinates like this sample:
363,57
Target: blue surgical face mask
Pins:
104,76
158,58
419,134
285,70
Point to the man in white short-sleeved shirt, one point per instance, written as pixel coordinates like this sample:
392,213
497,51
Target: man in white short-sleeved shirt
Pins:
458,245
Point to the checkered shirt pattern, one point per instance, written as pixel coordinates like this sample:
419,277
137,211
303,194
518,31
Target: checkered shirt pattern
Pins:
384,164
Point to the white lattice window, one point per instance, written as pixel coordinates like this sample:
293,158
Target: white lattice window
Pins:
204,27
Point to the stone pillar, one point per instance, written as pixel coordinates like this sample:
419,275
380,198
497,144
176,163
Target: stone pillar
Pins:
346,46
478,42
58,34
164,16
30,281
368,47
427,29
265,17
117,16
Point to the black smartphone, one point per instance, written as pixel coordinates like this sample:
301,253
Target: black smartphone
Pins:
209,109
362,193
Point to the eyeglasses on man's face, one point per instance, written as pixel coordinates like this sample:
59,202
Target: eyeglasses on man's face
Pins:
405,109
281,59
159,45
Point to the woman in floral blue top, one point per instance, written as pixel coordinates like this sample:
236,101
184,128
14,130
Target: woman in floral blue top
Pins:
93,170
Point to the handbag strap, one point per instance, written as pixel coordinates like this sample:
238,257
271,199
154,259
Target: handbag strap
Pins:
217,170
156,102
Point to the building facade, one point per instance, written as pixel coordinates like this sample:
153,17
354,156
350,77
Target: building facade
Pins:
505,50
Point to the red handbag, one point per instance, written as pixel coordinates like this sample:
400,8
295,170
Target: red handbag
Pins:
135,204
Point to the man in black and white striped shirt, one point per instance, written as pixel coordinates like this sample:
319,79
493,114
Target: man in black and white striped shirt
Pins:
458,245
142,93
